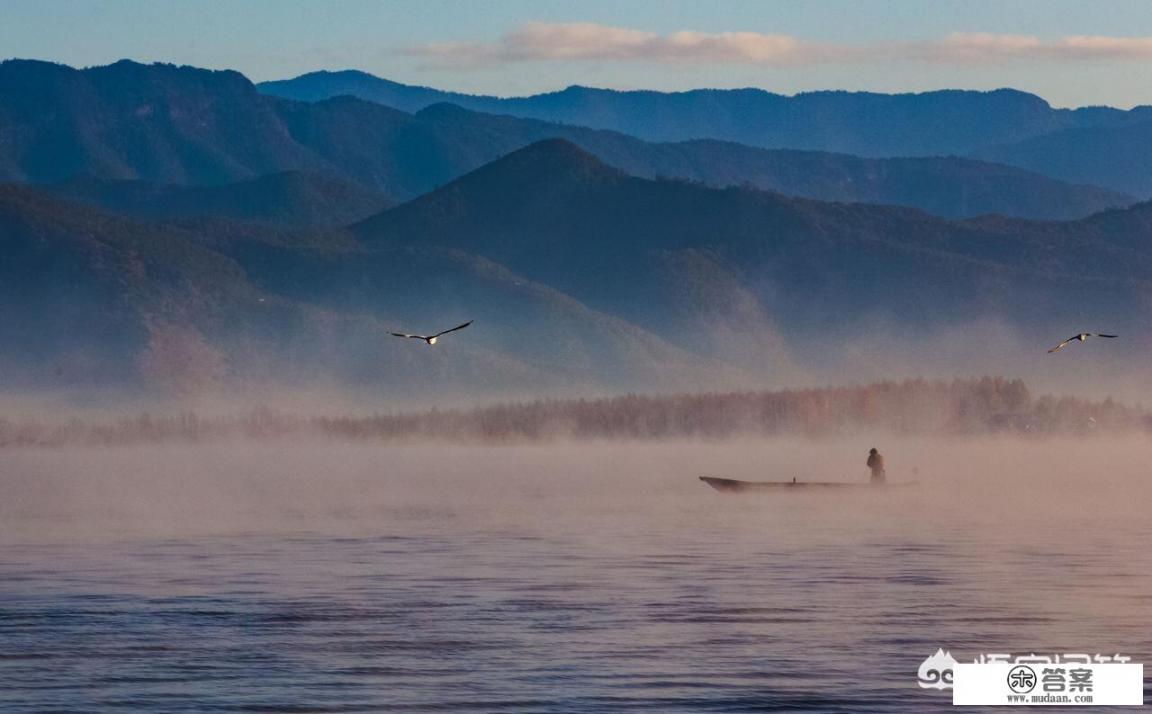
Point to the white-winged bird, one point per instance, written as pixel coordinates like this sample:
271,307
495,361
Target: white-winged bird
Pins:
1081,337
431,339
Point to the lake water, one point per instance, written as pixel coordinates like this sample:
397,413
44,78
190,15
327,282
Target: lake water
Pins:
569,578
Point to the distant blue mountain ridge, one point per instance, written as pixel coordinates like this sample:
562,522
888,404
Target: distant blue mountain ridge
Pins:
1101,145
181,125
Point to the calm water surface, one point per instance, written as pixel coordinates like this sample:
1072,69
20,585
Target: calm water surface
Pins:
594,579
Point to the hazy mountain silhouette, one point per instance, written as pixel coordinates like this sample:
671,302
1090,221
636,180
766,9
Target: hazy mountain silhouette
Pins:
82,293
131,121
863,123
291,198
317,86
557,215
1119,157
579,273
451,141
181,125
579,276
93,300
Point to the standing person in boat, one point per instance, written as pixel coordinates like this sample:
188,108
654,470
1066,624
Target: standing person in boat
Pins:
876,463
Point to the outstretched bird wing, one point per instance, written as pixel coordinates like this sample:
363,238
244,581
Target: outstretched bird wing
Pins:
1079,337
401,334
458,327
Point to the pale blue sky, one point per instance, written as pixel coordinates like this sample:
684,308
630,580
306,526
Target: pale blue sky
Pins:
892,45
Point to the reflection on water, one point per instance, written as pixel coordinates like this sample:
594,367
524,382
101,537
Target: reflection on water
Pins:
550,579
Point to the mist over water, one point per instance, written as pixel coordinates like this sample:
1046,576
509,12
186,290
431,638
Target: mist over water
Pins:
572,576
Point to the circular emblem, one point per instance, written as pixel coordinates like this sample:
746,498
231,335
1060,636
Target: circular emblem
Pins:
1021,679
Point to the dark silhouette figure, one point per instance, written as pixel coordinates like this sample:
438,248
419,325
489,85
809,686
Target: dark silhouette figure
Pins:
876,463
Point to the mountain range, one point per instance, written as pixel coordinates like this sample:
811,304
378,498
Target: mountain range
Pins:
1114,156
175,229
556,214
1006,126
577,274
184,126
288,198
90,299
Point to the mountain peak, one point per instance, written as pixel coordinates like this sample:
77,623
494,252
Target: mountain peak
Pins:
131,70
554,167
34,64
444,109
556,156
23,75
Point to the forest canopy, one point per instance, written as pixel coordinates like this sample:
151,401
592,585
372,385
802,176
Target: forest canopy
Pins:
914,407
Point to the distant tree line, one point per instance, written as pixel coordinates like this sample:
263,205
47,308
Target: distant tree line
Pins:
913,407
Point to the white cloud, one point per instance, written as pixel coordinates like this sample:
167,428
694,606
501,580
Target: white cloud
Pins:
576,40
591,41
546,41
997,47
1100,46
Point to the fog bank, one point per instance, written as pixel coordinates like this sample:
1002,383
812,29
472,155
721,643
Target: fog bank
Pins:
97,494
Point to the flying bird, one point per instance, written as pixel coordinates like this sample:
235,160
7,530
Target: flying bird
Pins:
1081,337
431,339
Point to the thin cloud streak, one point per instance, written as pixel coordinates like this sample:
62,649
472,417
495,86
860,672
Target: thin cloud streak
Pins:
575,41
977,47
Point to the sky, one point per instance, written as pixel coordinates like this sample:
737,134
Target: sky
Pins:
1071,52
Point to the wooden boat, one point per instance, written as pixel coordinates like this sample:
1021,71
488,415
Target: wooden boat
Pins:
733,485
